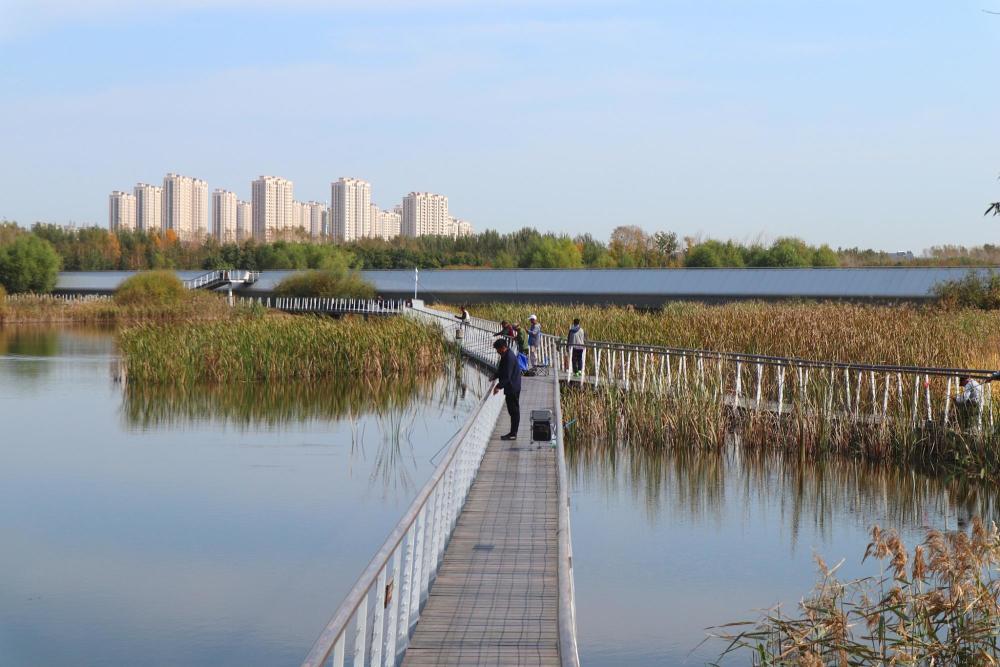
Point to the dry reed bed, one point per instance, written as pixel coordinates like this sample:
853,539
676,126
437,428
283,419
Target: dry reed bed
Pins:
44,309
840,332
938,606
279,347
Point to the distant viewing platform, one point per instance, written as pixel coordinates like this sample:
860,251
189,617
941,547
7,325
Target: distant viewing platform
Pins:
638,287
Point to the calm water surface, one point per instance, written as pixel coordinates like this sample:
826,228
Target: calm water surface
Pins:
218,527
223,526
667,545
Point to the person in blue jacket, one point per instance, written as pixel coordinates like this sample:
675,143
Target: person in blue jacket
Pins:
508,378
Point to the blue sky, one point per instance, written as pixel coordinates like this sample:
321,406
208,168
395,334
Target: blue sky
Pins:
848,122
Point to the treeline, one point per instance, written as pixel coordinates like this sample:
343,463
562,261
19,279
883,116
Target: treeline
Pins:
95,249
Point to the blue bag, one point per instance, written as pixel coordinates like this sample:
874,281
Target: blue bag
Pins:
522,361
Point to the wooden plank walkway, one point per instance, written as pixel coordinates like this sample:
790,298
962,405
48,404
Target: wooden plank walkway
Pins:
496,597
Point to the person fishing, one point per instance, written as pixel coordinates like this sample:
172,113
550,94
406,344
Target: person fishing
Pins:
463,321
508,378
969,399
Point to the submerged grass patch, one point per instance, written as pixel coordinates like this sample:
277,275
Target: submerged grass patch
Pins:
278,347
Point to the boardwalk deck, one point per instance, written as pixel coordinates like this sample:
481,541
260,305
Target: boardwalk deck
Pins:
496,598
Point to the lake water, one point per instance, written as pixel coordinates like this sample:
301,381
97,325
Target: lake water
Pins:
668,544
191,529
223,526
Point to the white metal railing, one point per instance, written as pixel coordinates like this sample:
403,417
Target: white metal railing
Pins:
223,276
31,296
869,394
374,623
324,305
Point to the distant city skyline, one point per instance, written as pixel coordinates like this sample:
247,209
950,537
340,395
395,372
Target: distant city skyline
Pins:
838,121
273,213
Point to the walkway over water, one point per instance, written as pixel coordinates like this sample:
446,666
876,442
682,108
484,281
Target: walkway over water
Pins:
496,597
479,569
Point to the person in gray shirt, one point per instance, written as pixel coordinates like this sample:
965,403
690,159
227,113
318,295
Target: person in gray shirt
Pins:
575,340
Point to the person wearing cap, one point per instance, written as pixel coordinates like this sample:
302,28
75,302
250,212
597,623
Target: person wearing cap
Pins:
534,339
508,378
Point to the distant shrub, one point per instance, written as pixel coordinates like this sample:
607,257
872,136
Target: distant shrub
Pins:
152,288
28,264
975,290
335,284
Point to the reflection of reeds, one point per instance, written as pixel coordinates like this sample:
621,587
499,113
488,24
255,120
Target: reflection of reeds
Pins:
281,348
694,483
267,403
940,606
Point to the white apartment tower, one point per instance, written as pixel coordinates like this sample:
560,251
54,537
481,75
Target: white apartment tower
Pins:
224,216
148,207
350,210
185,207
272,204
314,218
457,228
389,223
244,221
121,211
425,214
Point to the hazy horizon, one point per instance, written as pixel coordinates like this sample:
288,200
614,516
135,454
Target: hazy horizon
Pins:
840,123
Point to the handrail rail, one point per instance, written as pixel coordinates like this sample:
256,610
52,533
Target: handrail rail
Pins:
772,360
568,651
331,639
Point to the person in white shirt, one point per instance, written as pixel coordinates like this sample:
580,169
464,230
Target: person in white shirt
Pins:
968,400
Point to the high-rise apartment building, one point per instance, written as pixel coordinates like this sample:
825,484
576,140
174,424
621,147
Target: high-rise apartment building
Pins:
224,215
458,228
121,211
425,214
350,209
273,208
244,221
314,218
148,207
185,207
388,223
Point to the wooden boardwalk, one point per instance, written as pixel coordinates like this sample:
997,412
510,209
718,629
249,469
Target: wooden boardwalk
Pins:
496,597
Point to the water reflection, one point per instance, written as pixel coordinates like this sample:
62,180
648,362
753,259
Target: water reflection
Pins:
219,526
671,541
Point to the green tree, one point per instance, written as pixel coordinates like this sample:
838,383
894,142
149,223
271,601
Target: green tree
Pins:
550,252
703,256
28,264
825,256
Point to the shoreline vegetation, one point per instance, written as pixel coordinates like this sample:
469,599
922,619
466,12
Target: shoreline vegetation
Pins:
275,347
701,418
938,606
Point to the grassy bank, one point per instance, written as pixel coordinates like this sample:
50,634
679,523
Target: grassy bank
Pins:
275,347
909,335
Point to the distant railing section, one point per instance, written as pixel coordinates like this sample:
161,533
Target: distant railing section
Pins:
322,305
73,298
221,277
864,393
374,623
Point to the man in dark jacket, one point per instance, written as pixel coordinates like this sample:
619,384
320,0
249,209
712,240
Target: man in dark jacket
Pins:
508,378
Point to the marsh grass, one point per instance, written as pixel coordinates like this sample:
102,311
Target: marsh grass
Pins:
44,309
829,331
938,606
279,347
